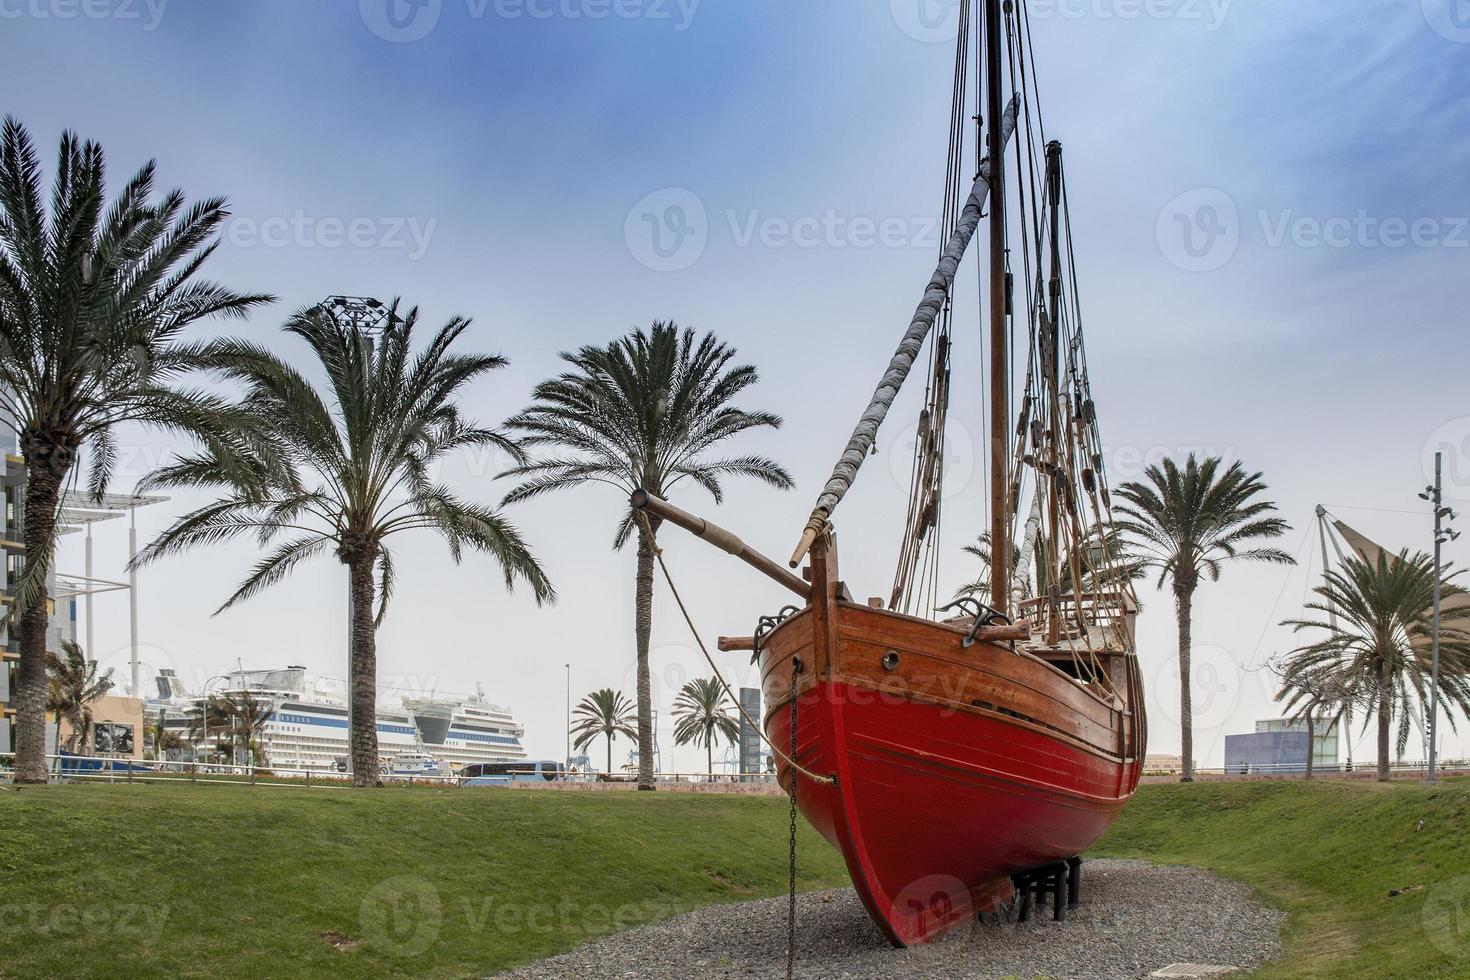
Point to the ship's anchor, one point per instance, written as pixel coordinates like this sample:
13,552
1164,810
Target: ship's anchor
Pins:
767,623
984,616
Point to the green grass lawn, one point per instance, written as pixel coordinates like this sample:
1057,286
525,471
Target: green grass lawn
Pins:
1329,853
121,880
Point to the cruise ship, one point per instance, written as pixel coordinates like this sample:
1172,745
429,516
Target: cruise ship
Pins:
308,729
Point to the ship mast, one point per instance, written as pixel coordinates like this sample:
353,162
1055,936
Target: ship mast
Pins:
1000,412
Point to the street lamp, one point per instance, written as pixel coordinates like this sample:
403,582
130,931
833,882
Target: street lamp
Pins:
204,708
569,717
1435,495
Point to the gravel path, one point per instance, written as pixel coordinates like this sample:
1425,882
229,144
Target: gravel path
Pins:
1135,918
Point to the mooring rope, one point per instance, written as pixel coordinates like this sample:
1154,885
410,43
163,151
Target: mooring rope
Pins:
658,553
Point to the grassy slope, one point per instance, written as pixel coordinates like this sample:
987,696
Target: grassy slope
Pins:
1328,852
251,880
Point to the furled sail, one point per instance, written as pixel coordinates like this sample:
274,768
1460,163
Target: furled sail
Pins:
938,289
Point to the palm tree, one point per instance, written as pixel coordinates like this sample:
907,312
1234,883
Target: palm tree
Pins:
237,718
702,715
343,470
981,549
93,300
160,738
606,713
643,412
1315,696
73,686
1375,641
1191,522
211,719
1118,568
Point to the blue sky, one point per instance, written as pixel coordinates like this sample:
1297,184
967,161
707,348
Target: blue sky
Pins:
506,166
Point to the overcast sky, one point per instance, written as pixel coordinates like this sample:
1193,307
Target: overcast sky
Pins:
1269,199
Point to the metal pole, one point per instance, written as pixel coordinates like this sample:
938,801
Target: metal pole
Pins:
91,636
569,717
1434,635
132,597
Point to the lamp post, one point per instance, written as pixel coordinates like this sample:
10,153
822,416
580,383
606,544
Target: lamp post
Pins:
1435,495
569,717
204,707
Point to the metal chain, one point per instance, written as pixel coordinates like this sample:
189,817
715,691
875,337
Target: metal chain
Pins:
791,863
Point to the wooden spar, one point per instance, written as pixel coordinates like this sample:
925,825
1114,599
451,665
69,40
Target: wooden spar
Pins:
728,644
861,441
720,538
1000,355
1051,371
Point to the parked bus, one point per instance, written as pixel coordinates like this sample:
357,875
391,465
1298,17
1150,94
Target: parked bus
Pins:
505,773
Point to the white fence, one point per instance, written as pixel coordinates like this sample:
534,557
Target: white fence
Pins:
72,768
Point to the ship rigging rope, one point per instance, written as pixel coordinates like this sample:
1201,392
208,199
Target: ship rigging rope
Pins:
658,553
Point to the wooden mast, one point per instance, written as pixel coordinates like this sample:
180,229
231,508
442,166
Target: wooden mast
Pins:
1000,412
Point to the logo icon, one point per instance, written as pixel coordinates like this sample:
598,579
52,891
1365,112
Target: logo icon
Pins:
1215,687
1453,440
1446,916
934,901
930,21
1199,230
1450,19
958,461
400,21
667,231
401,916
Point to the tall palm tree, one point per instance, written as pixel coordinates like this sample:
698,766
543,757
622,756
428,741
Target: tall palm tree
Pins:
702,716
1375,641
607,713
643,412
93,300
1189,523
73,686
342,470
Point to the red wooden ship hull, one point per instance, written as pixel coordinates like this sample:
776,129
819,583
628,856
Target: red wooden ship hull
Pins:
954,767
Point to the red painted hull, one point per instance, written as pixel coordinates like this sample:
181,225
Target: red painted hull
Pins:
953,770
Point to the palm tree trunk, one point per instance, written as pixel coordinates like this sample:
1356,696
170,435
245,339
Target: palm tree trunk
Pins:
363,671
1183,605
643,627
1311,742
709,758
609,755
43,492
1385,719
